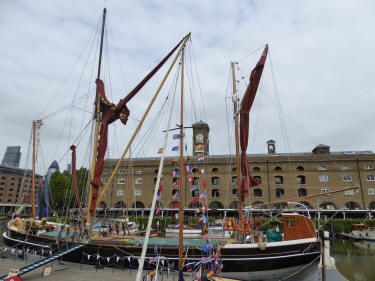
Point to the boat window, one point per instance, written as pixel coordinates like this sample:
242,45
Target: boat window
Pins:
290,222
234,180
257,193
256,169
215,180
346,178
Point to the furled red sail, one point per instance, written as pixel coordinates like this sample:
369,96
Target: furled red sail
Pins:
110,113
247,102
74,178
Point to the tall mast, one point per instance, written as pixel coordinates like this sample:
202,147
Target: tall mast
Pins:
181,171
127,191
33,176
238,165
97,120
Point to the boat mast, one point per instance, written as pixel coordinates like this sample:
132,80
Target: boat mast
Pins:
127,191
97,121
181,171
238,165
36,128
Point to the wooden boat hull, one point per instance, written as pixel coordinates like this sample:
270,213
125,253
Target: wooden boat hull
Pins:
241,261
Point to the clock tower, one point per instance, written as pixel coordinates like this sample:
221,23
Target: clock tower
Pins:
200,138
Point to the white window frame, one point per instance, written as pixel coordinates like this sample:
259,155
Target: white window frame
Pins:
139,172
369,167
322,168
138,181
120,181
324,190
349,192
371,191
137,192
345,168
323,178
121,172
120,192
347,178
370,177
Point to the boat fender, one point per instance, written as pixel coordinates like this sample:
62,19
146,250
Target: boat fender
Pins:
230,224
244,226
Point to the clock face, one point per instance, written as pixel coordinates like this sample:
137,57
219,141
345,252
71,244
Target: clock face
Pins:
199,137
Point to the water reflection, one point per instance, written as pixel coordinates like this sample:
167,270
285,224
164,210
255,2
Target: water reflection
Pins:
355,260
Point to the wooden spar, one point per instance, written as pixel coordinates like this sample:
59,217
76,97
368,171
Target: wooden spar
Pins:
97,122
141,122
309,197
181,172
33,176
238,164
127,190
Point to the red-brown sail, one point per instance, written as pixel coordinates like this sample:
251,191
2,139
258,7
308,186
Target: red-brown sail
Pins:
110,113
247,102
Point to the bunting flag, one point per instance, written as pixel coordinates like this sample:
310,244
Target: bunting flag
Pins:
175,183
201,171
160,150
178,136
175,205
176,216
158,197
161,187
202,219
152,273
203,195
175,148
175,196
205,235
174,172
195,200
176,225
174,161
155,250
157,224
154,234
188,168
190,179
210,273
193,189
200,159
204,184
187,158
200,146
203,209
157,212
207,260
197,211
185,147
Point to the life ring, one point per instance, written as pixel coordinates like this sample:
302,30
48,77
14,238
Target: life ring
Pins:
246,228
257,222
230,224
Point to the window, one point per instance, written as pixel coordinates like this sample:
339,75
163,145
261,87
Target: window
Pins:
300,168
105,181
234,169
196,181
324,190
137,192
371,191
258,178
256,169
302,192
234,180
323,178
120,192
174,191
279,180
175,181
195,193
195,170
301,180
370,178
349,192
121,181
215,193
215,170
322,168
155,180
346,178
156,171
257,193
234,193
278,169
368,167
139,172
215,180
345,168
121,172
279,193
138,181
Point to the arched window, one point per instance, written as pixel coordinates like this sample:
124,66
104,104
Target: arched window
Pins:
215,170
256,169
327,206
139,205
158,204
372,205
351,205
279,180
215,193
279,193
300,168
216,205
301,180
257,193
215,180
256,203
306,204
195,170
280,206
278,169
234,205
302,192
120,204
258,178
234,180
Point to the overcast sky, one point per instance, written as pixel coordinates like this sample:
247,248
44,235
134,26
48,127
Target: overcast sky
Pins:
318,81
